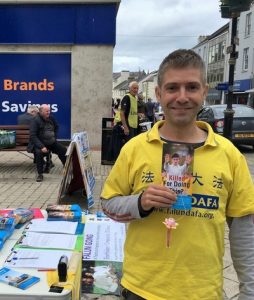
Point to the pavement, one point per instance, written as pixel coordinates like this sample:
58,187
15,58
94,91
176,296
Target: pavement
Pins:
18,188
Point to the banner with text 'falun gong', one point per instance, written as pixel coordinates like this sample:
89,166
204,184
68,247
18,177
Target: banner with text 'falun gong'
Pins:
36,78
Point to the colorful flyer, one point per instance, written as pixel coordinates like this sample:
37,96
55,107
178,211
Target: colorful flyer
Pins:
101,277
17,279
177,169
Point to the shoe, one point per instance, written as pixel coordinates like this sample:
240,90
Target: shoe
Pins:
39,178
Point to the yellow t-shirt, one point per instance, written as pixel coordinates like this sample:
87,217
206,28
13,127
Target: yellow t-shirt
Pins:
192,267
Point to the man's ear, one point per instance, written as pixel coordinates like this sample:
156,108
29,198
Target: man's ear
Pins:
158,93
206,90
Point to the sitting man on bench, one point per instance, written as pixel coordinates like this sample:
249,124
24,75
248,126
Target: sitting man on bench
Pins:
43,133
25,119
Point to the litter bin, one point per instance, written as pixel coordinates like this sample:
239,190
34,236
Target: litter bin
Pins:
143,127
106,144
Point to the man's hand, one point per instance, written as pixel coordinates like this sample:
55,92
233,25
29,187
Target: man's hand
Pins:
44,150
126,130
157,196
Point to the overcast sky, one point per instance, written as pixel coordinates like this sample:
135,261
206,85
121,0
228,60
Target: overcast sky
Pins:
147,30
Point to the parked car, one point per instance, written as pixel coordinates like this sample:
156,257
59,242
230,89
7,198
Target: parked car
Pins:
243,122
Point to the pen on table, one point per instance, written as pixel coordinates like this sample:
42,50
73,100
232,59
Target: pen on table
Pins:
16,258
45,270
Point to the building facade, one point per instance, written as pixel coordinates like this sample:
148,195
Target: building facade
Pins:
65,49
214,51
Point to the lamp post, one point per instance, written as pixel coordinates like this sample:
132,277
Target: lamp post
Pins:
231,9
229,112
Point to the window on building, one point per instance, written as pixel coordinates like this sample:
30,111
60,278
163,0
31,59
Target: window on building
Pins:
223,49
237,28
248,24
204,53
245,59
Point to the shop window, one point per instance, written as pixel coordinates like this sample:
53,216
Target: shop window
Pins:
245,59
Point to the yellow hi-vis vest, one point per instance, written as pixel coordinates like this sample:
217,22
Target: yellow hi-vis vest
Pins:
133,114
117,117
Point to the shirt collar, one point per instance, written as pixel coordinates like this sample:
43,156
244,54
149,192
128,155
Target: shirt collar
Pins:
153,134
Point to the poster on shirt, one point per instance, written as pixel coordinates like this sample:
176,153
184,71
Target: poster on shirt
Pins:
101,277
103,239
177,170
35,79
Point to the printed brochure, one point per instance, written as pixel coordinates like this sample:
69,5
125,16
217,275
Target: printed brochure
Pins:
177,169
17,279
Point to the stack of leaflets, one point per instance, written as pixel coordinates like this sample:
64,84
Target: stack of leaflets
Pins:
64,212
7,226
17,279
22,215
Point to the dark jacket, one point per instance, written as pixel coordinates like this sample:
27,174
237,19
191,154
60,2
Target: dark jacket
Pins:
25,119
37,130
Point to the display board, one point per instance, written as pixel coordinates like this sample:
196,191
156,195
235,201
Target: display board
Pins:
78,177
102,257
34,79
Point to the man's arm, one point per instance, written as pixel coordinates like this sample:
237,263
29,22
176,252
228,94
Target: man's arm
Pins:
124,123
34,131
241,238
56,126
128,208
122,208
125,108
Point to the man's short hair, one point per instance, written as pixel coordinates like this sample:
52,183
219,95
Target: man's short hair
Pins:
175,155
179,59
132,83
32,108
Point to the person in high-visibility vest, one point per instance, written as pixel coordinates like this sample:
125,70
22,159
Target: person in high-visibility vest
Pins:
129,111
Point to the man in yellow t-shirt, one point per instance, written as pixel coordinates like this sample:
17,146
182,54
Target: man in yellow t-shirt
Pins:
222,188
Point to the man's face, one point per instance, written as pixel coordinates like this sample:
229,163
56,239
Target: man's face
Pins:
45,112
181,95
134,89
34,112
167,158
175,161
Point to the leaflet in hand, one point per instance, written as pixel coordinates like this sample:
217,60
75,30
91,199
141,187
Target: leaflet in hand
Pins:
177,169
17,279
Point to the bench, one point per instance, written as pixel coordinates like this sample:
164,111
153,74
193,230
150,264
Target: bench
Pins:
22,136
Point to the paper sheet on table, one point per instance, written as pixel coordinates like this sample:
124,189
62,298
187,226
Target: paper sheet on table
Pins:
33,258
48,240
103,239
41,225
